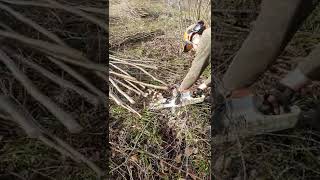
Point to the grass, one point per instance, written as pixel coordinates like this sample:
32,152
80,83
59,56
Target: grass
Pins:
160,144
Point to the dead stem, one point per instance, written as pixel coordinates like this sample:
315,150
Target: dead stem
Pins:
61,115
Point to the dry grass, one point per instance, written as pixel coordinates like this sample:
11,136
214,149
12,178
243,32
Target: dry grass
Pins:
161,144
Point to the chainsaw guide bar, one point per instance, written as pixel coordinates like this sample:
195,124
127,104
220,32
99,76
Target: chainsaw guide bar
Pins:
179,100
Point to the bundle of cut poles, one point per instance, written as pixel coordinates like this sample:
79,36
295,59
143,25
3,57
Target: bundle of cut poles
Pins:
124,79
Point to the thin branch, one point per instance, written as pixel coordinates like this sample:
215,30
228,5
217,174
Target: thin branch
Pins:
121,70
102,11
122,104
80,13
32,24
149,85
128,87
134,86
133,60
33,129
78,155
45,47
61,150
80,78
84,64
242,158
122,92
122,76
141,69
31,3
64,83
138,64
147,73
21,117
72,125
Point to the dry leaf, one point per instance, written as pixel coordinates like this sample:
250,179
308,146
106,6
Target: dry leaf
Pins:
134,158
177,159
195,150
188,151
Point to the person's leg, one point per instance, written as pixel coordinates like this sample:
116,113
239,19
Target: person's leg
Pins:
274,27
311,64
200,62
307,70
205,84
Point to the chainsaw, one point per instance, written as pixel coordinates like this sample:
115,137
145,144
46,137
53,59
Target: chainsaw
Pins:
178,99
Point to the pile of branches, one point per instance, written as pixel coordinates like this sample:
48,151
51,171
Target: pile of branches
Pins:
126,78
25,48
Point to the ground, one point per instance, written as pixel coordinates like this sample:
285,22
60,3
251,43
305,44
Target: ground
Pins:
172,146
291,154
25,158
161,144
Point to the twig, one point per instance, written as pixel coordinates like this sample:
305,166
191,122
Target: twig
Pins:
5,117
128,87
122,75
61,115
31,3
125,61
84,64
149,85
122,104
78,155
133,60
233,11
80,13
8,28
64,83
45,46
102,11
80,78
138,64
147,73
121,70
32,24
242,159
134,147
33,129
157,157
42,174
18,176
17,114
51,144
122,92
134,86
